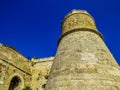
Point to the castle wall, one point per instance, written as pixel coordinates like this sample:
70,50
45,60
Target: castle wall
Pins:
13,57
40,72
31,73
13,64
82,61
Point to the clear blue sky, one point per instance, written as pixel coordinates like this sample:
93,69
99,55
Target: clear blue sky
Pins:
33,26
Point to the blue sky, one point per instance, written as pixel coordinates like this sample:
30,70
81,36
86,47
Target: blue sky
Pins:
33,27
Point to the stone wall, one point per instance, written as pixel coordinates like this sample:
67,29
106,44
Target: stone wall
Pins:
82,61
40,72
13,57
13,64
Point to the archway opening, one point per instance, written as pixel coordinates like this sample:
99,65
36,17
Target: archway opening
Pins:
15,83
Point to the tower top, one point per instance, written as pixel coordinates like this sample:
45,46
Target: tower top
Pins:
77,11
78,19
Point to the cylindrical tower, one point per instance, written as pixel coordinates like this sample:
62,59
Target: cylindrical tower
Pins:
82,61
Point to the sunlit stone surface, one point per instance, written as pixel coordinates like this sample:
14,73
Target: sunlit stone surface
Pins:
82,61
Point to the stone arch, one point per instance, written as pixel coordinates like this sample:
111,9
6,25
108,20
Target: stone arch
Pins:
16,82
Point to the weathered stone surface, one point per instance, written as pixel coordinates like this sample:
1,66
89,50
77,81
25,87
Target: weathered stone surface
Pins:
15,67
82,61
40,72
75,20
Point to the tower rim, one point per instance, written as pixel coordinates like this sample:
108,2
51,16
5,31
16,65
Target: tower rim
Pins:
80,29
73,12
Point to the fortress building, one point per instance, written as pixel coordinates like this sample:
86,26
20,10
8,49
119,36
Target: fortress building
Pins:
82,61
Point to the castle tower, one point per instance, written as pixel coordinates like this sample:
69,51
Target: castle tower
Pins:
82,61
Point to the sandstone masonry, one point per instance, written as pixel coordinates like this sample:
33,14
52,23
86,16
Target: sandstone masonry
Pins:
82,61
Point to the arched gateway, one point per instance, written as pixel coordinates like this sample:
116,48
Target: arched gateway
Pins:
15,83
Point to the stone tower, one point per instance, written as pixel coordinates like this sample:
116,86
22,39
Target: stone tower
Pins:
82,61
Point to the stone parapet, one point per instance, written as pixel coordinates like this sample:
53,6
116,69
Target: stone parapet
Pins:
78,19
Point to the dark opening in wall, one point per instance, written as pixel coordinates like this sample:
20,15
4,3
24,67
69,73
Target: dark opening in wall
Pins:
15,82
43,86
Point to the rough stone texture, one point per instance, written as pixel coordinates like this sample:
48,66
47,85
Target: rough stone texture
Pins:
82,61
75,20
13,65
40,72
